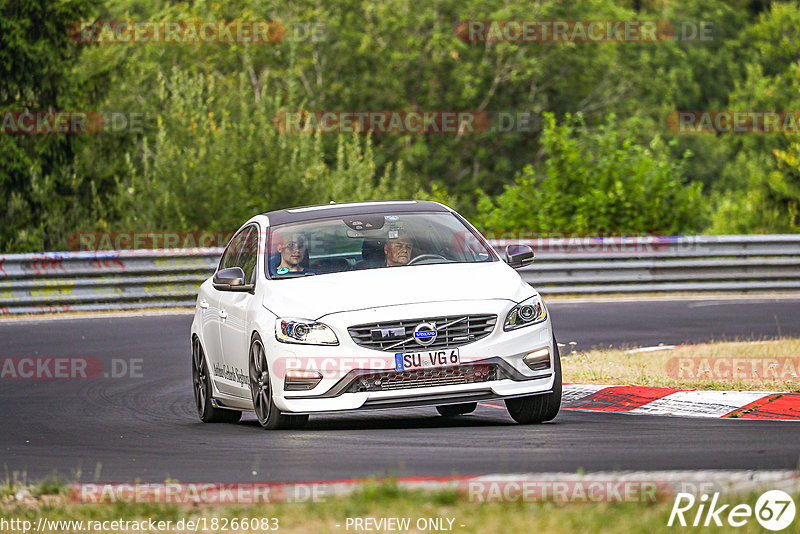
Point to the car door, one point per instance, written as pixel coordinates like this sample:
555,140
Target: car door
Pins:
208,304
234,307
213,315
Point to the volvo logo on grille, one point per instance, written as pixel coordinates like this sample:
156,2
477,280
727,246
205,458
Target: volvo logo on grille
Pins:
425,334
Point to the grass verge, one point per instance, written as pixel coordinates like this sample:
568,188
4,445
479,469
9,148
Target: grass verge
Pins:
753,366
384,500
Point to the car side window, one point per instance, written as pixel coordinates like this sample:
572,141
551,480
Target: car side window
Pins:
231,255
249,255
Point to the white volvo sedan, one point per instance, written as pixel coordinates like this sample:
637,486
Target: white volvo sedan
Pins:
370,305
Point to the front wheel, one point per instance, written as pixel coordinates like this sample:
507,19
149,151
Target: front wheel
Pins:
269,416
539,408
202,391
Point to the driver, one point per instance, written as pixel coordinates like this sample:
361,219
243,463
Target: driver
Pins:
398,251
292,250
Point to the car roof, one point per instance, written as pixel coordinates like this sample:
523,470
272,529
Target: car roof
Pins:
325,211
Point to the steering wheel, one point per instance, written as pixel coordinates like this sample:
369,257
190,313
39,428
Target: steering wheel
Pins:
423,257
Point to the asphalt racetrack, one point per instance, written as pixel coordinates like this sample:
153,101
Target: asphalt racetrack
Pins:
145,428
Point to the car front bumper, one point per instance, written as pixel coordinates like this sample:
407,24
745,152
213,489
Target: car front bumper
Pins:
345,366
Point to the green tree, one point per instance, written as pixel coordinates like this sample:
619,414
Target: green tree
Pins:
757,188
597,182
39,191
215,158
394,55
208,139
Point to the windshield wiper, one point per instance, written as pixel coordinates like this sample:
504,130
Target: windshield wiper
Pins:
291,275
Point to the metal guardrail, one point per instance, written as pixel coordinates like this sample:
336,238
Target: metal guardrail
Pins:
135,279
738,263
104,280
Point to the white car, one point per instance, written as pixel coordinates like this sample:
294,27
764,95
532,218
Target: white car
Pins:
370,305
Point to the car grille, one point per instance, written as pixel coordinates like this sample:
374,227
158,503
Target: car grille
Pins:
467,329
421,378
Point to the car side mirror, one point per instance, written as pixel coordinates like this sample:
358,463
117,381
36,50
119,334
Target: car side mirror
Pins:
519,255
231,279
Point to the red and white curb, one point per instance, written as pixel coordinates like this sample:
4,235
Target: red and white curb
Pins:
643,400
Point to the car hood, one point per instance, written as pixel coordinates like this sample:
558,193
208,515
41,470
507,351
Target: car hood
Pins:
313,297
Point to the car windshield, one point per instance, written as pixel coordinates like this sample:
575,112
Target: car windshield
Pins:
371,241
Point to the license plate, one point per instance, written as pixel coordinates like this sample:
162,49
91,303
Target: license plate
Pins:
405,361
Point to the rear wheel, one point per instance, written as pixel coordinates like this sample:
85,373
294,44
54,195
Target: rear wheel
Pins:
202,391
451,410
539,408
267,413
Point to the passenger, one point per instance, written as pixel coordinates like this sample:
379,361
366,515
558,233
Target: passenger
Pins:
398,251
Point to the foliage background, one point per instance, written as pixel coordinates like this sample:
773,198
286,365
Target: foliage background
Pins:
598,159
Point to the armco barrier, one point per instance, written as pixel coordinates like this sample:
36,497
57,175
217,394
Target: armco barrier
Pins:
105,280
664,264
133,279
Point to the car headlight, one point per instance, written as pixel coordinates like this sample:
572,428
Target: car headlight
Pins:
306,332
526,313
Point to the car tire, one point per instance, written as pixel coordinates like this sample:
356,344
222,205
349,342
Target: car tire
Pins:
202,391
451,410
539,408
268,415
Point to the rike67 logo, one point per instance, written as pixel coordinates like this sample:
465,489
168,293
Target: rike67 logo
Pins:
774,510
